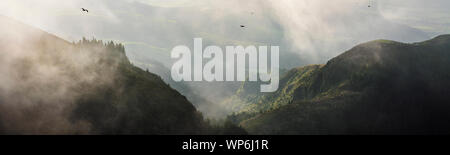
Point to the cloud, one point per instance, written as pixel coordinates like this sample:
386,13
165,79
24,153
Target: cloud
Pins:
42,77
170,3
316,29
431,16
321,29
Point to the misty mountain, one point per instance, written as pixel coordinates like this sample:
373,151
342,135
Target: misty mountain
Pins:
306,34
378,87
51,86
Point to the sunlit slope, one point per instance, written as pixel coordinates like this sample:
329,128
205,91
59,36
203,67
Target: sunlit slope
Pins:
379,87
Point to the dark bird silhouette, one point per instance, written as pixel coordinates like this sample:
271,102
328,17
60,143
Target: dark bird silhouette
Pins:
83,9
242,25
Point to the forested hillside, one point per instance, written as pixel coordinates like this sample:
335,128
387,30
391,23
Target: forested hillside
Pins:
379,87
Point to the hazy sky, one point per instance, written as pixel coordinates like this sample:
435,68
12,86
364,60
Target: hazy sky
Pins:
308,31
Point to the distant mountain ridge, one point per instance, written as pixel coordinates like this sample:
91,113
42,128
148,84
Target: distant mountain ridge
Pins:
376,87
